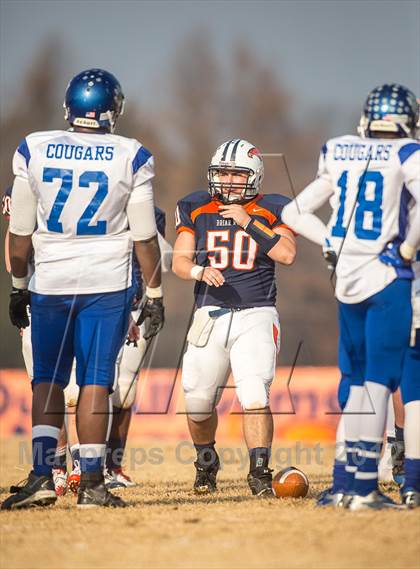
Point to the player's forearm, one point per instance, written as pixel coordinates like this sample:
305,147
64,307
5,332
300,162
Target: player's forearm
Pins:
307,225
298,214
284,251
6,252
412,241
20,247
182,266
148,256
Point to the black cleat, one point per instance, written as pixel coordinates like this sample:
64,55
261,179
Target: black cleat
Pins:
411,498
34,491
93,492
397,457
205,478
260,481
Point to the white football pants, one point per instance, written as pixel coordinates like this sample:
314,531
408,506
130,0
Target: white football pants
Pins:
246,341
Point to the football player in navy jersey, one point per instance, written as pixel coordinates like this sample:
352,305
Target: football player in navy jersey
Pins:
229,239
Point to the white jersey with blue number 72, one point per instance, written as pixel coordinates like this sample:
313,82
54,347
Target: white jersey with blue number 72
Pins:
373,184
82,183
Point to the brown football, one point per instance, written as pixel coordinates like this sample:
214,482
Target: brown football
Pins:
290,483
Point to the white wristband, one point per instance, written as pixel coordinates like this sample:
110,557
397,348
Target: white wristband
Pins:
196,272
20,282
156,292
406,251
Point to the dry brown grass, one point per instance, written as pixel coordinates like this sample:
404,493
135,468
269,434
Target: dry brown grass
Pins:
167,526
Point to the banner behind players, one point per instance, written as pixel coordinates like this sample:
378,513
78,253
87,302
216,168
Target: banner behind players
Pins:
304,410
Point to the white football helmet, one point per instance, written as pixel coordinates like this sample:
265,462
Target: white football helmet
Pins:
236,156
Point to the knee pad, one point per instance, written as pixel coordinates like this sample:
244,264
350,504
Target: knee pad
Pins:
127,370
253,393
125,391
199,408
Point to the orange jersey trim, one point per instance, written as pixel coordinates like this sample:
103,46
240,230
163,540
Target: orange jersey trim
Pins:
211,207
184,228
253,208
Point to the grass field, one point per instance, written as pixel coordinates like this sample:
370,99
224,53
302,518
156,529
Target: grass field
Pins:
168,526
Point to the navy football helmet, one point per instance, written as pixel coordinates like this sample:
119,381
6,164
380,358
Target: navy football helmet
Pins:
94,99
390,108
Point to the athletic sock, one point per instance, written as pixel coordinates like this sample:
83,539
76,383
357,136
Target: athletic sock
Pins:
92,457
60,458
44,444
372,427
339,469
259,457
206,454
114,454
339,477
75,456
351,418
351,464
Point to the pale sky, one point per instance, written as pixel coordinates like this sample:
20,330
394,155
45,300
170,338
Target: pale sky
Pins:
328,53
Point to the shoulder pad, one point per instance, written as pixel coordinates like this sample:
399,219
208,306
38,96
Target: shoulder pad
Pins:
274,200
196,199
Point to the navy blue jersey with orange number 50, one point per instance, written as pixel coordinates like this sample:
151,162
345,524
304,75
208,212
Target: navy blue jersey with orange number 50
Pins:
223,245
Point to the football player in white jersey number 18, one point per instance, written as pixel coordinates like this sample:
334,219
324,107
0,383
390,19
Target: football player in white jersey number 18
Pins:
373,184
80,198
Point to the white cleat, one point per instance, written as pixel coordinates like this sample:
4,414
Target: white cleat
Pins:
116,478
60,481
373,501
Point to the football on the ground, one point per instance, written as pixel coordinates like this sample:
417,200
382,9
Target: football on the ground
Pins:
290,483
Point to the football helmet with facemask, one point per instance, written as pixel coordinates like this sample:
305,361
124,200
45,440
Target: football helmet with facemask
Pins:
94,99
236,157
390,108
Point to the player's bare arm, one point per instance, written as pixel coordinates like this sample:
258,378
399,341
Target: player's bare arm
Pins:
6,251
148,255
185,268
20,248
284,251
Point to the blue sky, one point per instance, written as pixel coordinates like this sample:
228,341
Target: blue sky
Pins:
328,53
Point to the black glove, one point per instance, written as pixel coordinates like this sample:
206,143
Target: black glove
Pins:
20,299
153,308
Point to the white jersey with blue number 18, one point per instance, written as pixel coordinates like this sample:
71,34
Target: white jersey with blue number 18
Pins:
82,183
373,183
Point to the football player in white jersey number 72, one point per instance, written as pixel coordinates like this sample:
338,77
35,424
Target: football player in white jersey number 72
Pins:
80,199
373,184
